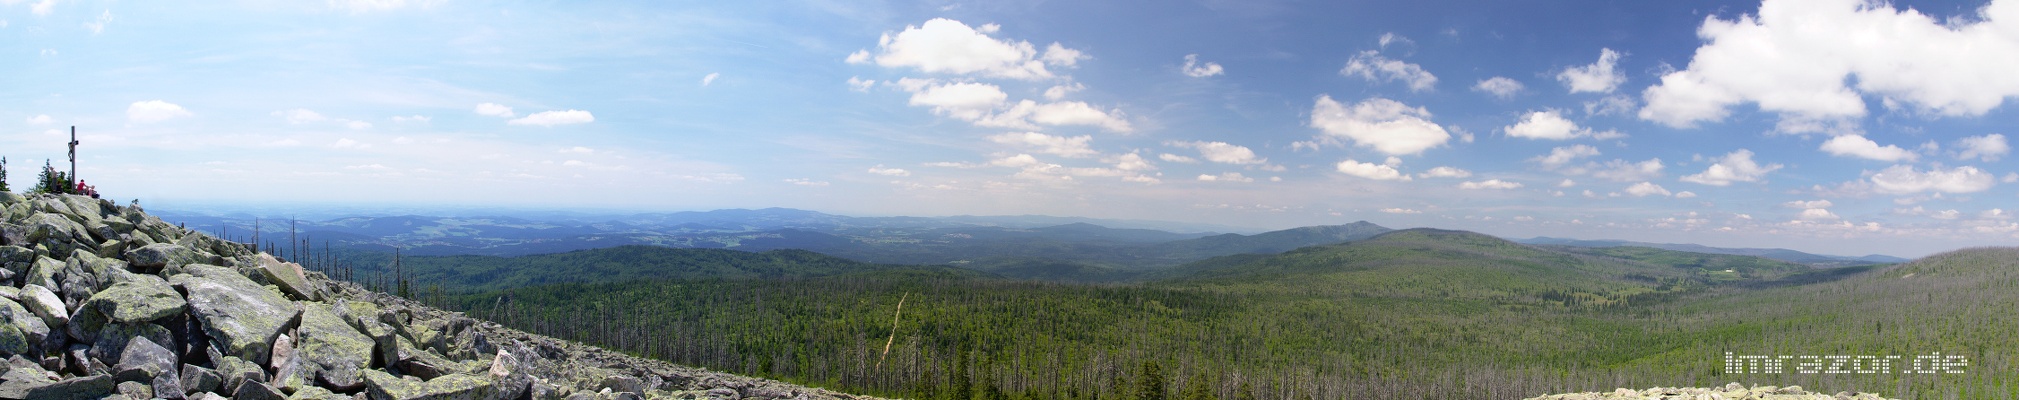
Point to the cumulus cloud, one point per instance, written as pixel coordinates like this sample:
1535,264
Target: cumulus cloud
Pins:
552,118
412,118
1176,158
1398,210
1623,171
1489,184
805,182
1903,179
1225,177
40,119
1685,194
1027,112
364,6
1499,86
1376,68
357,125
1737,166
1194,68
1988,147
494,110
947,46
1557,157
150,111
1445,172
1130,162
1598,77
1797,57
880,170
1609,105
1645,189
1382,124
860,85
1060,91
964,100
1371,171
1222,152
710,78
1859,146
1548,124
1076,146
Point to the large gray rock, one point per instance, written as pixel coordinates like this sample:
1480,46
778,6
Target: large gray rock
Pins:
289,277
167,386
257,391
331,349
143,360
85,274
197,379
162,257
44,303
59,235
16,382
83,388
27,329
143,299
242,317
43,272
113,338
16,257
236,372
383,386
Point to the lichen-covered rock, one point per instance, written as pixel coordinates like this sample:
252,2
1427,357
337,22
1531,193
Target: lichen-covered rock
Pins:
384,386
142,360
81,388
157,257
25,331
257,391
135,390
197,379
16,382
166,386
241,316
44,303
42,272
335,352
113,338
289,277
142,299
236,372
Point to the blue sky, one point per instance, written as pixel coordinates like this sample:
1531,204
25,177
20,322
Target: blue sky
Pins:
1822,125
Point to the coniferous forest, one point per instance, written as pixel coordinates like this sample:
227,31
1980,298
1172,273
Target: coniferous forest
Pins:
1410,314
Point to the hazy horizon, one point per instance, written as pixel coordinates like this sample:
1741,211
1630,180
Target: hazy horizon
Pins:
1826,126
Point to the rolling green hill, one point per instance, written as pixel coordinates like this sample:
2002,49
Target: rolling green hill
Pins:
462,274
1416,313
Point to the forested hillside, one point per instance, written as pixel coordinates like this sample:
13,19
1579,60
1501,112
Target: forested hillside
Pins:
1414,314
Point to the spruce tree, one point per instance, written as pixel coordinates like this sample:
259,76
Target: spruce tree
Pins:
1247,392
1150,383
1198,389
3,175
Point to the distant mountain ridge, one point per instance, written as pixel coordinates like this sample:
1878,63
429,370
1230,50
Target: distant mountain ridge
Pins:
1775,253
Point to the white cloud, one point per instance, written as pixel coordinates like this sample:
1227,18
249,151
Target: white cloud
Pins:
1176,158
1388,38
578,150
1614,104
347,143
1060,91
1376,68
1806,204
357,125
1685,194
710,78
1371,171
300,116
951,47
552,118
1903,179
1817,214
1566,183
880,170
1995,213
1130,162
2010,177
1016,161
1489,184
1225,177
1059,113
1599,77
1075,146
1645,189
98,26
1564,155
1547,124
494,110
1499,86
43,8
965,100
1988,147
1859,146
805,182
1797,57
1222,152
40,119
1382,124
1623,171
1396,210
1945,214
412,118
150,111
1195,69
860,85
1738,166
1445,172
